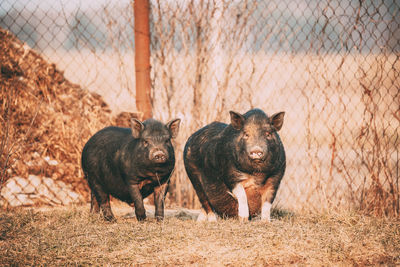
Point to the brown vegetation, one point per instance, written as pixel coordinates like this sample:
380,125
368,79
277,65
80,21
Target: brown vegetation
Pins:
43,115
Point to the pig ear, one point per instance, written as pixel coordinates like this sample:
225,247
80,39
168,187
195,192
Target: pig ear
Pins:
173,127
137,127
237,120
277,120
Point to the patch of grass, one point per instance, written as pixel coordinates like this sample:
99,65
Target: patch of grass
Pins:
74,237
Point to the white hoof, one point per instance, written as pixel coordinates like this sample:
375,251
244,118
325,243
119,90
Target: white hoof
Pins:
243,219
202,216
211,217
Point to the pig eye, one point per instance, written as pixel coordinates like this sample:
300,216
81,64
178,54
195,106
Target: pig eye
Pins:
268,135
246,136
145,143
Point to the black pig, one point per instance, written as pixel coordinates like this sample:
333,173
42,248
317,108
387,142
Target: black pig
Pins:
130,164
236,169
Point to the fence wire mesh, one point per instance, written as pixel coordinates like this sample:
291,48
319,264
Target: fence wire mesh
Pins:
333,66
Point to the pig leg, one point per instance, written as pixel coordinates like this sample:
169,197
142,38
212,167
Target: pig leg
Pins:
243,209
106,208
253,200
103,200
206,214
94,205
268,195
159,197
266,211
134,191
195,177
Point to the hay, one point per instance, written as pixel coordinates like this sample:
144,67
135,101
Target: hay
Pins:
43,117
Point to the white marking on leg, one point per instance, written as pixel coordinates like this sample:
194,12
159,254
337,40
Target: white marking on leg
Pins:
240,194
266,212
202,216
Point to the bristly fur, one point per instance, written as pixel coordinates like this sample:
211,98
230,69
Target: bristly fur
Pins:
130,164
249,151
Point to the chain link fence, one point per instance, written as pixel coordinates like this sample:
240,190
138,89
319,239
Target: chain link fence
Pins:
333,66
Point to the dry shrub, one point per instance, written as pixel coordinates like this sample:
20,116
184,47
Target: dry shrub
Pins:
380,192
43,116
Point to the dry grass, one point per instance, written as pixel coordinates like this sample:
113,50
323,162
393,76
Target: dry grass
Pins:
73,237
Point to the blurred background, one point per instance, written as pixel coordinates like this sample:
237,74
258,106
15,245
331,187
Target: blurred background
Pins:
333,66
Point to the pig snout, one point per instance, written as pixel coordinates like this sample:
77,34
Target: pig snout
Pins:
158,156
256,153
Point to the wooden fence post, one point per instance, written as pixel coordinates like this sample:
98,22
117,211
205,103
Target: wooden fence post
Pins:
142,58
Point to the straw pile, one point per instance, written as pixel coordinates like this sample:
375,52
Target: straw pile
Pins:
44,119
